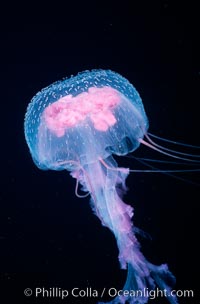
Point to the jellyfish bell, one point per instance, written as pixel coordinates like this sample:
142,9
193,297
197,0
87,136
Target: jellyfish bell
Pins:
94,114
78,124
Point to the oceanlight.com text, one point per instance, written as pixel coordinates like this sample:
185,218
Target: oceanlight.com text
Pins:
89,292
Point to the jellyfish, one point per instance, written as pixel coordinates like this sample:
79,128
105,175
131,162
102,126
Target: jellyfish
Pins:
79,124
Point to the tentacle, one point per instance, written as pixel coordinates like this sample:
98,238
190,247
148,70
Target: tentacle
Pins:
170,150
173,142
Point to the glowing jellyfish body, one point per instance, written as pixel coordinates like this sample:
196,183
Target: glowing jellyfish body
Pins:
78,124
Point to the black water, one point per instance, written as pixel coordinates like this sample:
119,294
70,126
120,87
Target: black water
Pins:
48,237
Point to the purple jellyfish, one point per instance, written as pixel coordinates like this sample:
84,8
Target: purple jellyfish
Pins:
78,124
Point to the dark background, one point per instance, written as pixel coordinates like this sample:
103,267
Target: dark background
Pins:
49,237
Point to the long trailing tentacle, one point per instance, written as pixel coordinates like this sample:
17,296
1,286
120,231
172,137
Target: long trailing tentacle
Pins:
171,150
173,141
